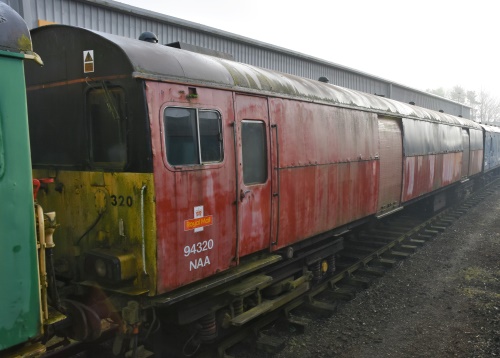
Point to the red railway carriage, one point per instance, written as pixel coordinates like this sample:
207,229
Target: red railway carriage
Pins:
180,175
438,154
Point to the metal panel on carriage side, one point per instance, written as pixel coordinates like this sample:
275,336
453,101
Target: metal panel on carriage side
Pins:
433,157
19,298
391,164
195,203
20,294
491,147
476,151
327,170
495,153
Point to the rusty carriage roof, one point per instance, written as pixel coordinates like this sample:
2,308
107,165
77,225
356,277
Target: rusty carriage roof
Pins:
158,62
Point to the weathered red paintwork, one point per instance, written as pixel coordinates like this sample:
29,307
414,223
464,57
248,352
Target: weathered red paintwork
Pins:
475,162
425,173
328,176
320,198
179,190
254,201
325,170
328,171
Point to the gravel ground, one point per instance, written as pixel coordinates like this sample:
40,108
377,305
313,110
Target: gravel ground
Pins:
443,301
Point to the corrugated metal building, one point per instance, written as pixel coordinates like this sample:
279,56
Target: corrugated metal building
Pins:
128,21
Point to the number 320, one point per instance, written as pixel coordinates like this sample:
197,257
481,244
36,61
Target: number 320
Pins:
121,200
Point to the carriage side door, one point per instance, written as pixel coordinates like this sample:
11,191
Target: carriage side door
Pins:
253,174
466,152
391,165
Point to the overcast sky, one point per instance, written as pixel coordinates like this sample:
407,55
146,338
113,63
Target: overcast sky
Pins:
421,44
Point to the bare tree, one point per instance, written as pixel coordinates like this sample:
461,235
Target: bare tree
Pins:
485,108
488,108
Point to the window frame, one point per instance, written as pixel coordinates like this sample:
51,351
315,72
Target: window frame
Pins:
201,164
114,166
265,154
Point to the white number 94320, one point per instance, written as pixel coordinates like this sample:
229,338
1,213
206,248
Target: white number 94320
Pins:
198,247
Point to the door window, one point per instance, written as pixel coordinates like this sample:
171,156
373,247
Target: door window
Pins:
254,152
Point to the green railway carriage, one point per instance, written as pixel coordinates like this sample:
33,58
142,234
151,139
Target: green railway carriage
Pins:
20,317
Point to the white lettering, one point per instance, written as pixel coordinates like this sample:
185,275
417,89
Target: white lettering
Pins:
197,263
199,247
192,265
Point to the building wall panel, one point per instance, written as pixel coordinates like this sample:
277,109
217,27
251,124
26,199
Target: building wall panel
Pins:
15,4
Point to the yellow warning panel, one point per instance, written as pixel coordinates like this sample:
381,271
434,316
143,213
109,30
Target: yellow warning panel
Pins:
88,61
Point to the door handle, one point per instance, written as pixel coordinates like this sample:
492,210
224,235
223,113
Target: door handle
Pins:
243,194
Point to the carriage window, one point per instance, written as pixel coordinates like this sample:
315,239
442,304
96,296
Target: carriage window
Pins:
106,108
192,136
253,140
210,136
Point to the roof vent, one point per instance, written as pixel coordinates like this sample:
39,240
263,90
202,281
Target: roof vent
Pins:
323,79
148,37
441,111
412,103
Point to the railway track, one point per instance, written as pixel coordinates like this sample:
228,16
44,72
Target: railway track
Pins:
367,254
